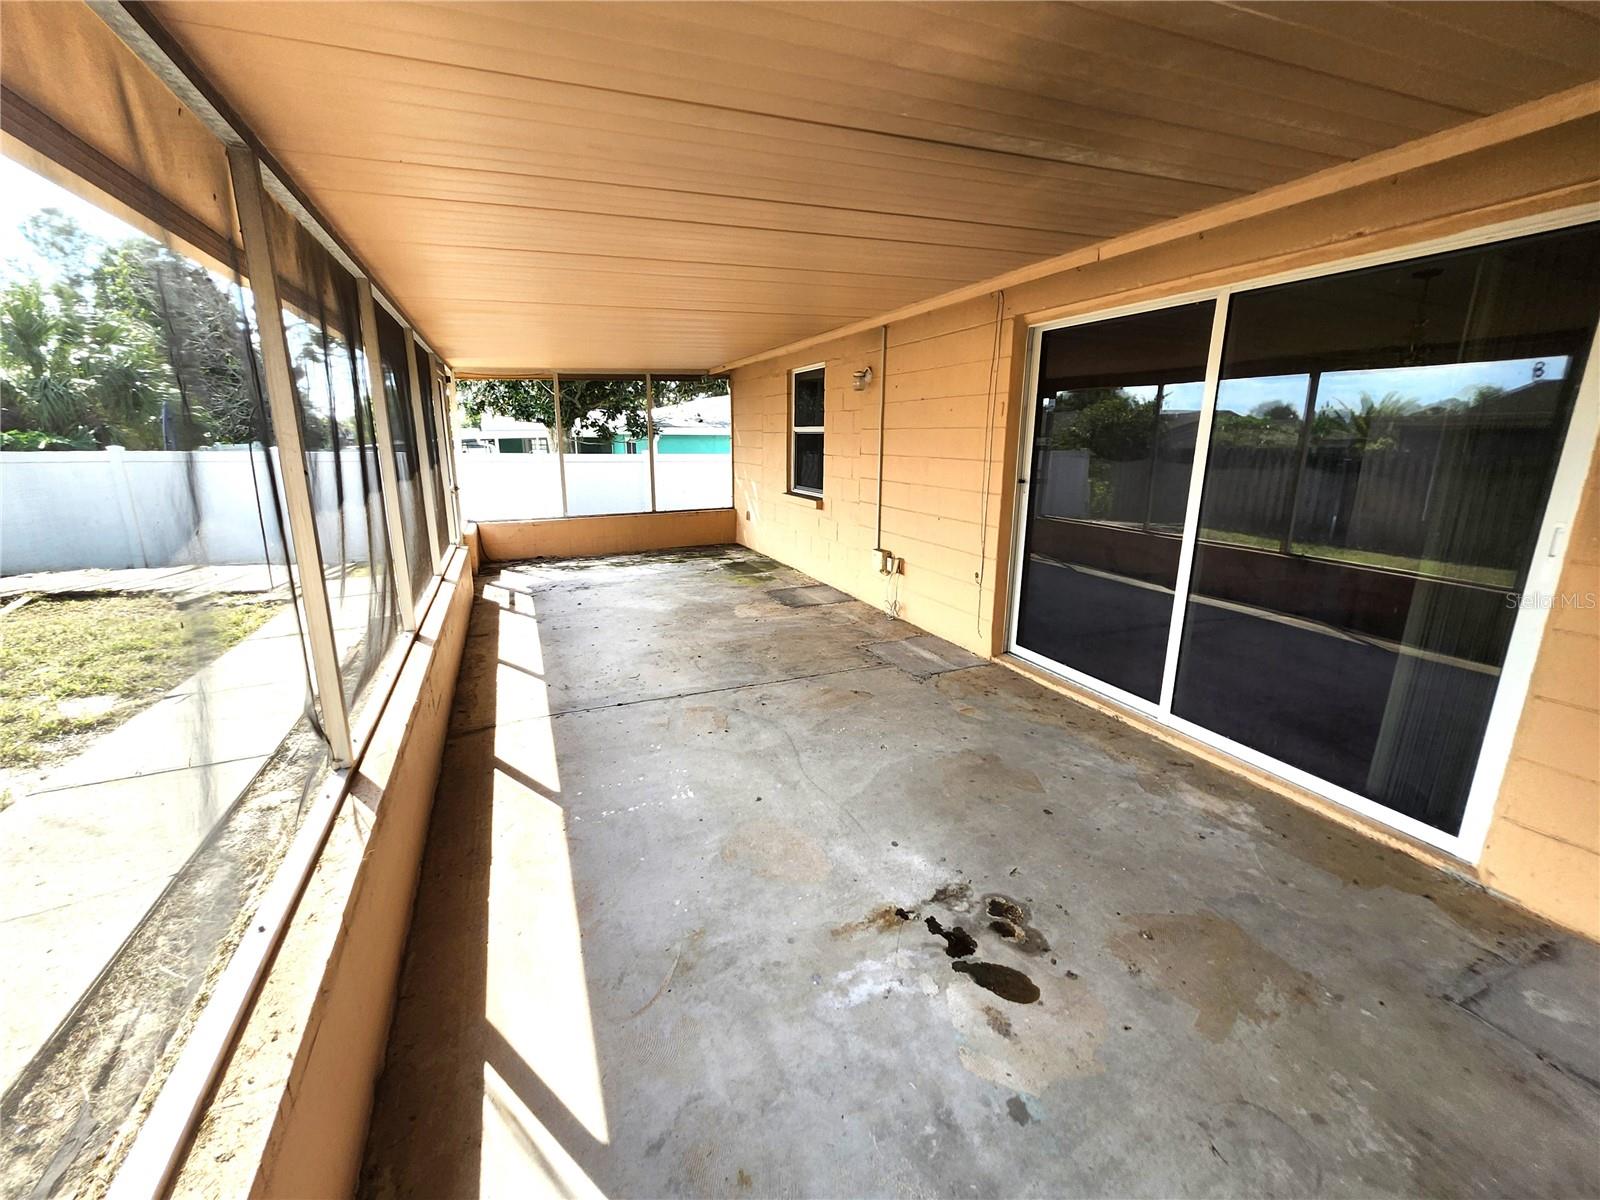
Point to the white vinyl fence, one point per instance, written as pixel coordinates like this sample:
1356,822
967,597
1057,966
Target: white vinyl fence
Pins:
116,508
510,487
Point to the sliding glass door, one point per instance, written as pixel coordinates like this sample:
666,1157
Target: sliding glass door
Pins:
1117,409
1377,450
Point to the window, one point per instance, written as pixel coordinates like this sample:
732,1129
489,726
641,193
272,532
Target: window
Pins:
805,431
396,371
322,325
155,742
427,393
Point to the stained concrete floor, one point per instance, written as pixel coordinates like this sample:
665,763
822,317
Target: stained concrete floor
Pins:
674,936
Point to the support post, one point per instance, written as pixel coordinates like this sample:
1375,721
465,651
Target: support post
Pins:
388,473
429,510
650,433
281,403
447,439
561,449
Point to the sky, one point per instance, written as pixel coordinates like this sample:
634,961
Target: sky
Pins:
23,193
1426,385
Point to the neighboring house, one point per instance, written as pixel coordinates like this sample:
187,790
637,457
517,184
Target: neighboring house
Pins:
502,435
699,426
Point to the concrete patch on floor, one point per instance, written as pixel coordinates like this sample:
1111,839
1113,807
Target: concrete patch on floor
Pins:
1028,1047
973,774
999,695
776,850
1214,967
844,697
748,566
705,719
808,595
925,656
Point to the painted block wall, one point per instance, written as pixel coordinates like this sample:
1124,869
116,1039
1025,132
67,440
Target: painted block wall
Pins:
949,429
1545,840
941,458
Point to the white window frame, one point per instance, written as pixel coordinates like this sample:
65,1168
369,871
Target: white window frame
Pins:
1544,574
820,430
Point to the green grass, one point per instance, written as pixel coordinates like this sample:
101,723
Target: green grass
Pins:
128,649
1434,568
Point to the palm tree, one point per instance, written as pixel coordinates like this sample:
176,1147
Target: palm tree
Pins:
1366,423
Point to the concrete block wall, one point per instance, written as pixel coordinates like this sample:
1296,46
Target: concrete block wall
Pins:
954,378
1544,844
947,376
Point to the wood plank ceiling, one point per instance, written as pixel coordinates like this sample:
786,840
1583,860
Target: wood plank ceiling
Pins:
674,185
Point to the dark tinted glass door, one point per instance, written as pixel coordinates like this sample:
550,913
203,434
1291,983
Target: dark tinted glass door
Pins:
1117,409
1380,458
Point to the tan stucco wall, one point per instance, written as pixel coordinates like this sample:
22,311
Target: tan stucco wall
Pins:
949,432
579,537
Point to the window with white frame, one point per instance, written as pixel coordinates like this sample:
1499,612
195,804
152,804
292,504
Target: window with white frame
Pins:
806,393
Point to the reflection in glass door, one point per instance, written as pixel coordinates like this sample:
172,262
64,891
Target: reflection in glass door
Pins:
1117,410
1380,459
1376,452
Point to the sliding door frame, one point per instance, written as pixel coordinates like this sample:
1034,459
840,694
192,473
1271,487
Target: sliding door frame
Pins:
1544,573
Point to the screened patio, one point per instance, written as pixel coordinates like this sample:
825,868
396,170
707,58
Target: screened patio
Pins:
828,599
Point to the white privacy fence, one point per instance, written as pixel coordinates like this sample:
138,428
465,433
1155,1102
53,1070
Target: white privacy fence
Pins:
508,487
62,510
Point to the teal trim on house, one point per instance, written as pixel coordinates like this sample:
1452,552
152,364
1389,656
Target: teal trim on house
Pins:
693,443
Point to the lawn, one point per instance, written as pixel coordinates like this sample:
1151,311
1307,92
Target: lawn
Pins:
1495,577
70,666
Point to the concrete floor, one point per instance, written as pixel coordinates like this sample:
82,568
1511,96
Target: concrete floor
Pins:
656,949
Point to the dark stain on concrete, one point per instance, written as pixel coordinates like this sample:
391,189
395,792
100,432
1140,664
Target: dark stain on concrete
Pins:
1011,922
1017,1107
958,943
1006,982
1215,967
808,595
951,895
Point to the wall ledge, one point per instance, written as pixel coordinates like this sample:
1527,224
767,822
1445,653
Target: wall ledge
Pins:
289,1114
587,537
